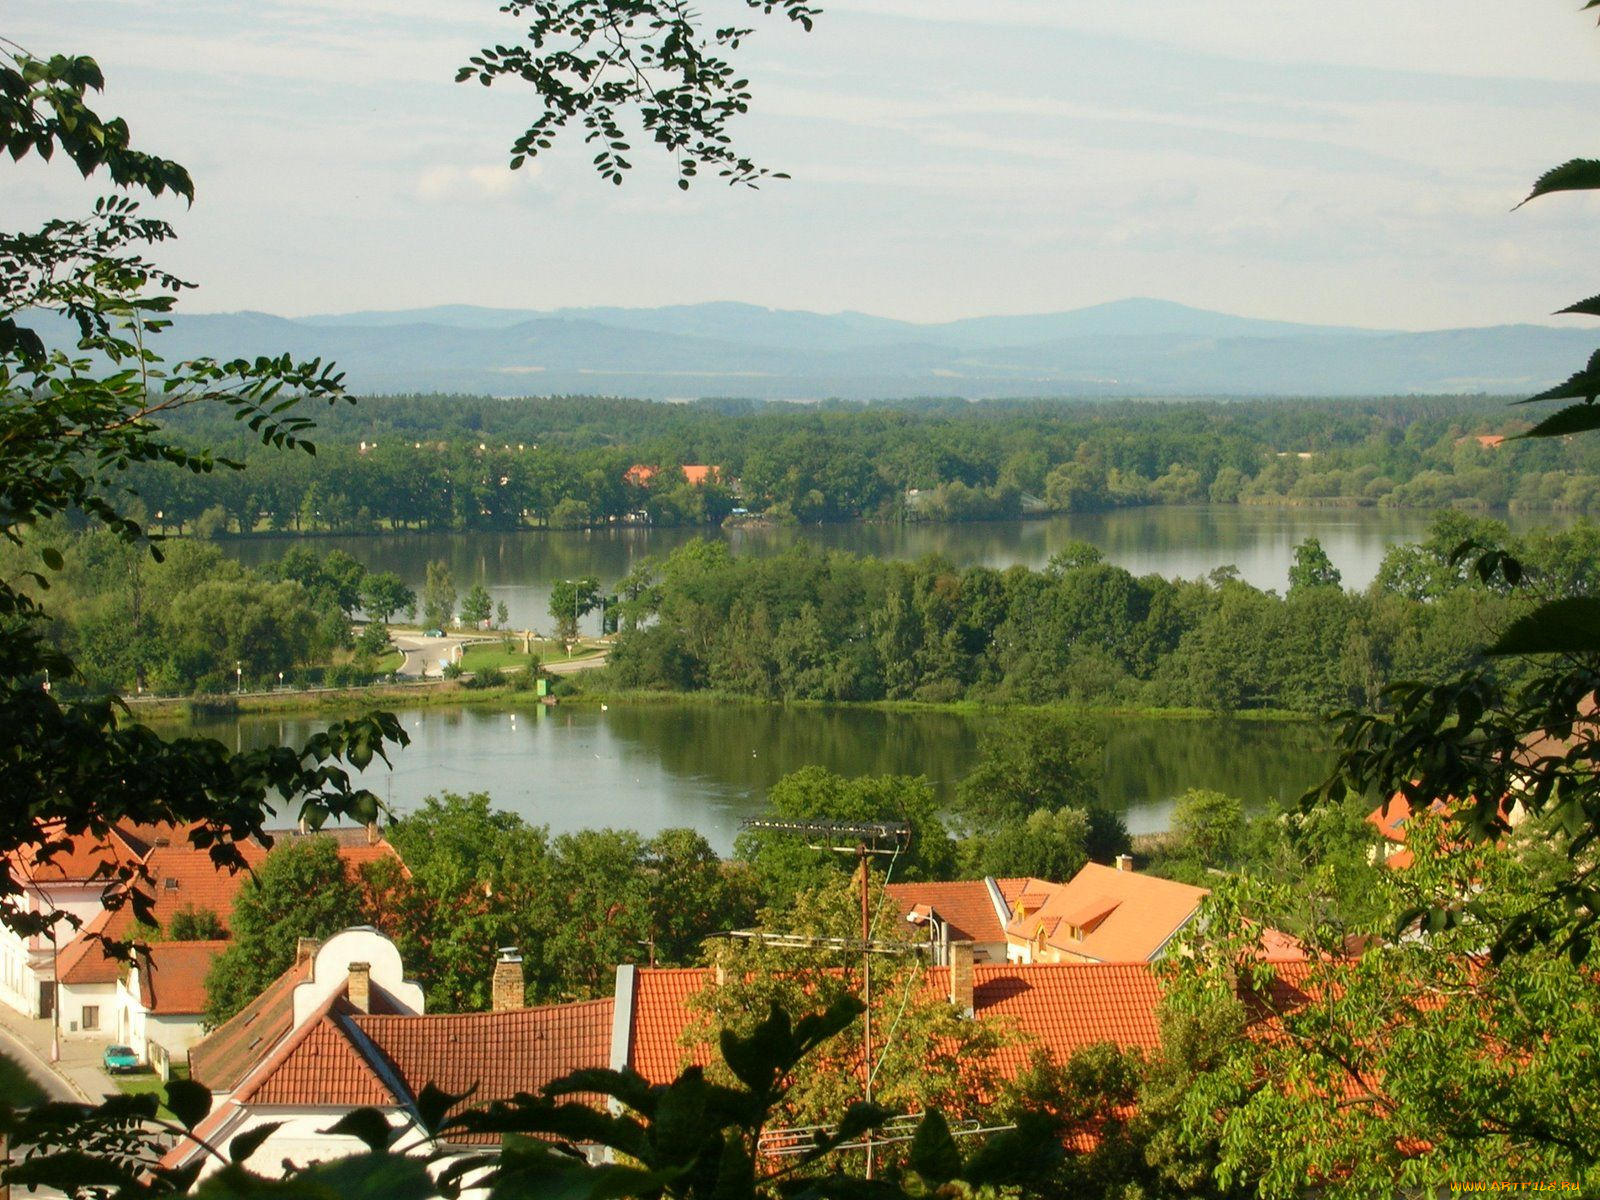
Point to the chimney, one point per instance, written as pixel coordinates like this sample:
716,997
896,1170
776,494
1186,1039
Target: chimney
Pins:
1125,863
506,992
961,977
372,832
361,987
305,949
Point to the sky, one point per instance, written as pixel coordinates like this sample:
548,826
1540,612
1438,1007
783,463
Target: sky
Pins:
1350,163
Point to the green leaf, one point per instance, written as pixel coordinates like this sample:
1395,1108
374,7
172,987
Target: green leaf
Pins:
1570,626
433,1103
1577,174
1576,418
189,1101
368,1124
51,557
933,1151
247,1143
1589,307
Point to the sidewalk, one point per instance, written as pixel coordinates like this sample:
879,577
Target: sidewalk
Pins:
78,1076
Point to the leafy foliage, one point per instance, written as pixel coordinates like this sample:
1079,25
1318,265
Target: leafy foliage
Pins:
593,61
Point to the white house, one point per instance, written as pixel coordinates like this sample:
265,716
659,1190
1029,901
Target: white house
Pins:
161,1000
343,1029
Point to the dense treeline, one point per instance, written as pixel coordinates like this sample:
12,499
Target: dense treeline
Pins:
808,625
469,463
196,620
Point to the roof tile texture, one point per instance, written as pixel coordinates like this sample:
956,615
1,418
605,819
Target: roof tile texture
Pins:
1147,911
172,978
964,905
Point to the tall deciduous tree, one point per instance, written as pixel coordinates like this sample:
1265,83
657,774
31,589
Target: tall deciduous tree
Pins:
383,594
303,889
439,595
1031,763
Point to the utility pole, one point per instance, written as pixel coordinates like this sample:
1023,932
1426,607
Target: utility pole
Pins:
873,837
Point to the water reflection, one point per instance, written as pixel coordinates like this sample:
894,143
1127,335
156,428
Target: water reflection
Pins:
519,568
707,766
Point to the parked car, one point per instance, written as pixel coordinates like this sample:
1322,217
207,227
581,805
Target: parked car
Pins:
120,1058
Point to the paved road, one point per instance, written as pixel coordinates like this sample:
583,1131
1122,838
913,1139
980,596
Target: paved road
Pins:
424,655
77,1076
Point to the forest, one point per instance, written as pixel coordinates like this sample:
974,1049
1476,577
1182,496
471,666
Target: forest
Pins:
466,463
814,626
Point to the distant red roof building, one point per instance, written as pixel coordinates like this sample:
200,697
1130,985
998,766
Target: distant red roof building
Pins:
172,976
696,474
969,910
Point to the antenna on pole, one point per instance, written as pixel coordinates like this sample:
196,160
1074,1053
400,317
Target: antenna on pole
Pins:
863,839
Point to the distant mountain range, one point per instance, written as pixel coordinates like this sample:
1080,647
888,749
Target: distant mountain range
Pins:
1128,347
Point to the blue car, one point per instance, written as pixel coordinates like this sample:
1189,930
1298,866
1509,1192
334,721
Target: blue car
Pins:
120,1058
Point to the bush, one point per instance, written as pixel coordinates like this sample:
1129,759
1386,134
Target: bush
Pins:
451,670
566,686
489,677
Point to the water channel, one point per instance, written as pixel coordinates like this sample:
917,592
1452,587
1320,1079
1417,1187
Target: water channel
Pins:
652,766
649,767
1188,542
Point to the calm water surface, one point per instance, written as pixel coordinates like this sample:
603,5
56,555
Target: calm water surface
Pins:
650,767
519,568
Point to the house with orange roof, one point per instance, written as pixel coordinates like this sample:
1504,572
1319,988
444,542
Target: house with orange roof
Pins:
1101,915
344,1029
78,979
160,1000
69,874
968,910
694,474
1057,1007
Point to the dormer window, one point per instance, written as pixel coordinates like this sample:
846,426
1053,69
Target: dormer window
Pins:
170,884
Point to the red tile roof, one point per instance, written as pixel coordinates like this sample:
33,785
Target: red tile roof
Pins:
84,960
320,1064
228,1052
172,976
1127,916
493,1055
660,1015
64,857
1061,1007
964,905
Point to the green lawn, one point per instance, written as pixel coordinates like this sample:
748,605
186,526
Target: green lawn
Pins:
483,655
17,1086
492,654
147,1080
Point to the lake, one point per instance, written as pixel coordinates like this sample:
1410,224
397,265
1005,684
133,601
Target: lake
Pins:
657,765
1188,542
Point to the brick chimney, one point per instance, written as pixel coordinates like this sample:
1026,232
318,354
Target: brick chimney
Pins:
361,986
961,977
1125,863
506,990
372,832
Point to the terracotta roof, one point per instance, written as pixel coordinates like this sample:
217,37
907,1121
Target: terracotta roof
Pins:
228,1052
172,976
1061,1007
964,905
1144,912
493,1055
64,857
1392,817
320,1064
84,960
660,1015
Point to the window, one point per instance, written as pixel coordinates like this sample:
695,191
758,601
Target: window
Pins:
91,1016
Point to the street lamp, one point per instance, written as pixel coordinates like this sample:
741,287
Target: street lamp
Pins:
238,676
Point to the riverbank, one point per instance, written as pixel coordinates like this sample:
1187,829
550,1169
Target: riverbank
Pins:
460,692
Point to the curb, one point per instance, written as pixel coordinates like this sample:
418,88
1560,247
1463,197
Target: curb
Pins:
28,1051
